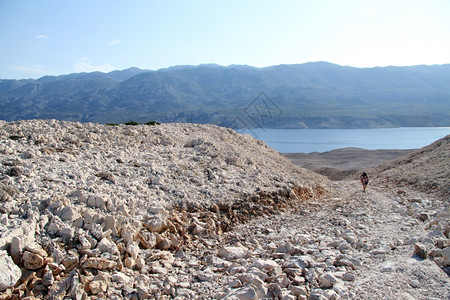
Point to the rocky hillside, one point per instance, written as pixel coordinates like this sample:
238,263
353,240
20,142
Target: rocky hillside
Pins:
185,211
117,211
427,169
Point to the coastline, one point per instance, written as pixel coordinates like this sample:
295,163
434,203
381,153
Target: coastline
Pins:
344,162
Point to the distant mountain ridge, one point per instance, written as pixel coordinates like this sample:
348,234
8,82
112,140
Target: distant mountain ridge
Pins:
310,95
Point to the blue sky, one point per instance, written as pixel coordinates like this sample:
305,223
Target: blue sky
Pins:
53,37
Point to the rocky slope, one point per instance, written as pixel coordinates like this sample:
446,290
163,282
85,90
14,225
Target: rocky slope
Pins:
427,169
109,211
183,211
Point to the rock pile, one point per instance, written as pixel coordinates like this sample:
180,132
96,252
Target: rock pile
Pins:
133,212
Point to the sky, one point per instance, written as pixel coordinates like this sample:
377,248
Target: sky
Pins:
55,37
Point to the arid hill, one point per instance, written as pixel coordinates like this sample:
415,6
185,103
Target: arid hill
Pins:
95,199
344,163
427,169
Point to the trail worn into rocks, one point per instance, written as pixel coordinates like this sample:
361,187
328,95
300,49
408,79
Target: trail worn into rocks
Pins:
352,245
185,211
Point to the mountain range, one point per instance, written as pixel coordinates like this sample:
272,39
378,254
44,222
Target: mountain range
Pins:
310,95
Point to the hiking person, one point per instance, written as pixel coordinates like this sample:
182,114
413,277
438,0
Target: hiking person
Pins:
364,180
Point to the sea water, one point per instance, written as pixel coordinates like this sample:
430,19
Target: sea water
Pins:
321,140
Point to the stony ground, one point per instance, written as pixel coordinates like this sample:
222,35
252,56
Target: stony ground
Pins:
182,211
364,243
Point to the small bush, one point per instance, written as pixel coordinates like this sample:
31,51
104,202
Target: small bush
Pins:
15,137
152,123
132,123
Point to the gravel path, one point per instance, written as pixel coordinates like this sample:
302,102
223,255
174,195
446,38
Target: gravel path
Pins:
376,231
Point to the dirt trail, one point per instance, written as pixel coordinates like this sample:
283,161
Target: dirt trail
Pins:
392,272
375,231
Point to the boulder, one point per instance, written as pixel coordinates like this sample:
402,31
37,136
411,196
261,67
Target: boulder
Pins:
146,239
10,273
66,233
446,256
275,290
110,223
47,278
133,250
69,213
285,247
348,277
32,261
106,245
100,283
96,202
156,224
244,293
265,264
98,263
420,250
120,278
298,290
58,289
233,253
16,249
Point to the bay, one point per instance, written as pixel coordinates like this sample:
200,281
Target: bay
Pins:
322,140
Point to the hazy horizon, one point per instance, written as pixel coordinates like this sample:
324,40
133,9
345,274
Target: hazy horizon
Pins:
61,37
214,64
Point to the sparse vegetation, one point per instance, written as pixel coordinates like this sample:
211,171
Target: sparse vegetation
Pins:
132,123
152,123
15,137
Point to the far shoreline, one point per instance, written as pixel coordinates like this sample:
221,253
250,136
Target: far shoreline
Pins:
325,140
345,159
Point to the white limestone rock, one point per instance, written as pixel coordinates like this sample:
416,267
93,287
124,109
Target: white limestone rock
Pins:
96,202
99,264
99,283
10,273
69,213
299,290
133,250
32,260
66,233
146,239
420,250
156,224
129,263
265,264
120,278
233,253
244,293
446,256
16,249
106,245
